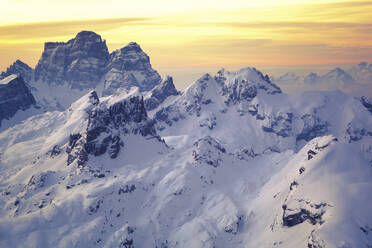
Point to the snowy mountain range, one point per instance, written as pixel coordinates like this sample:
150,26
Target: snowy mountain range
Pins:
96,150
355,80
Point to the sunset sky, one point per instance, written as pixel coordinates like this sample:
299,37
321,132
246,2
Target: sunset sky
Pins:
202,34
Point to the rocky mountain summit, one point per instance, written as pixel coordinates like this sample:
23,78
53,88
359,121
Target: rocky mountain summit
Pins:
160,93
68,70
84,63
128,67
108,122
81,61
18,68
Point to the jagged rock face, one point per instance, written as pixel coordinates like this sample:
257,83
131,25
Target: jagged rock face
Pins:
14,96
208,150
80,61
313,127
233,88
281,125
244,84
160,93
18,68
107,127
128,67
367,103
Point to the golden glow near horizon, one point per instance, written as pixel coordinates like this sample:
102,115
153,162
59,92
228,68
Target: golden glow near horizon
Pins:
204,34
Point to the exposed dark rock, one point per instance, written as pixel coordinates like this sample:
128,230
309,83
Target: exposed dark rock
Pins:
302,170
354,133
244,153
127,189
208,150
54,152
107,126
127,243
128,67
209,122
240,91
39,180
168,115
14,96
95,207
292,185
367,103
235,227
130,230
160,93
303,211
314,241
301,216
245,85
313,127
281,125
18,68
114,148
310,154
73,139
81,61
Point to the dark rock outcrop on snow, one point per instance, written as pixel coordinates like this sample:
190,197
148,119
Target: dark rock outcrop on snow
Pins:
280,125
367,103
107,128
208,150
312,127
81,61
14,96
128,67
356,133
18,68
160,93
245,85
306,211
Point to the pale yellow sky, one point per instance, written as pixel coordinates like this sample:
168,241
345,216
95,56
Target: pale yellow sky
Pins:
196,34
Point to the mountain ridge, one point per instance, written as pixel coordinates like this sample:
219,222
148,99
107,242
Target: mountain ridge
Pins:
232,161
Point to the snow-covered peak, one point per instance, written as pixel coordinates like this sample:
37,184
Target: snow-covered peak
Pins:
245,84
248,74
122,94
338,74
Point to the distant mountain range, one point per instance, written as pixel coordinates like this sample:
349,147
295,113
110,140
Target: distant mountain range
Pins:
356,80
97,150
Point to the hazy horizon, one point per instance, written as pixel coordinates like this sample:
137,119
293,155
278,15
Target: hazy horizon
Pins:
188,39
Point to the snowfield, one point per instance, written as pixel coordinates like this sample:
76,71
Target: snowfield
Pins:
230,162
96,150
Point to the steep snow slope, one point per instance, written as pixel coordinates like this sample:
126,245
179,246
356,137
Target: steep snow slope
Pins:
246,108
239,168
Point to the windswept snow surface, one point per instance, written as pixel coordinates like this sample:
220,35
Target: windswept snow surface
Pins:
230,162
